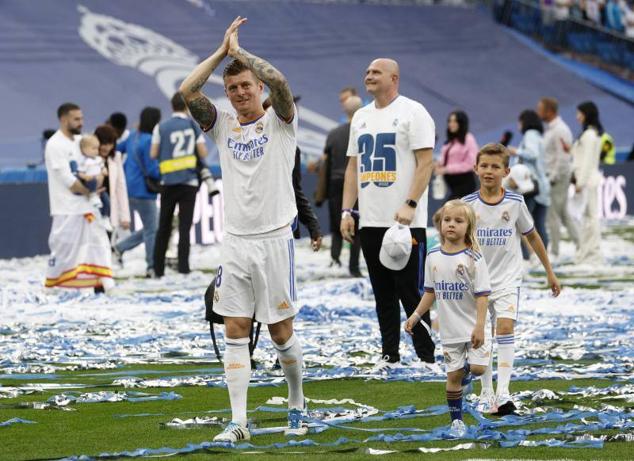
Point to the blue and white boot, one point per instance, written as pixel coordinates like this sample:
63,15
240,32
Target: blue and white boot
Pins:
297,422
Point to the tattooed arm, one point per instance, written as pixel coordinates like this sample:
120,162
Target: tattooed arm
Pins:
201,108
281,95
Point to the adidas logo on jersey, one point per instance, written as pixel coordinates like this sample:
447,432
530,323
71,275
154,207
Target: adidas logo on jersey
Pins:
289,362
511,308
283,305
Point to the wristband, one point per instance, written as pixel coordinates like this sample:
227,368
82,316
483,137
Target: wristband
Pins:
348,212
418,317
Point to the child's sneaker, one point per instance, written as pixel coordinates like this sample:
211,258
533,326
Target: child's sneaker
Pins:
457,429
233,433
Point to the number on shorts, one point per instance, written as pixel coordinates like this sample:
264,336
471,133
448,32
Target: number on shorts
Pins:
219,277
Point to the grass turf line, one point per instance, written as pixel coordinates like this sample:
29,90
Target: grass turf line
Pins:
95,428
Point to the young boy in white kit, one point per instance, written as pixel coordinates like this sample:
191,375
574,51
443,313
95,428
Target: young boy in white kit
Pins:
502,219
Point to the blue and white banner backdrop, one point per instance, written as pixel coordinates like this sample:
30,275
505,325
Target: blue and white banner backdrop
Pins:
26,233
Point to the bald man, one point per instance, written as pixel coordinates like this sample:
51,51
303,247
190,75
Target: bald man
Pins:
390,163
335,161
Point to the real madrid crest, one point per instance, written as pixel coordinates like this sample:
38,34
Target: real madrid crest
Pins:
506,217
259,127
460,270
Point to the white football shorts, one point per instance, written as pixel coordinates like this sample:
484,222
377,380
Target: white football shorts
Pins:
505,304
256,277
456,354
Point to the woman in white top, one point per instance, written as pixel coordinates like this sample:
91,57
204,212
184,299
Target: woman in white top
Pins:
586,154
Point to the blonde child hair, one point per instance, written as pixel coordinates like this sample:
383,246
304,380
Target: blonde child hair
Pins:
88,140
471,238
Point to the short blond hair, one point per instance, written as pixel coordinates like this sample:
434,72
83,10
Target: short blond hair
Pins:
88,140
495,148
471,237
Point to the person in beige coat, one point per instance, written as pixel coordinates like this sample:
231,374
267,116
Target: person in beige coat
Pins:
586,152
116,184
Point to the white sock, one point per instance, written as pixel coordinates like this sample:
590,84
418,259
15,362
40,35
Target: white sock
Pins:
486,380
292,363
237,363
506,355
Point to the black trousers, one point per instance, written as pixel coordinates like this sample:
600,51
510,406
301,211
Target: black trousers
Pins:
460,184
185,197
335,199
390,287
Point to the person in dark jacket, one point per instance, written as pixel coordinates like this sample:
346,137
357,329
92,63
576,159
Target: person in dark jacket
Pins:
305,213
335,161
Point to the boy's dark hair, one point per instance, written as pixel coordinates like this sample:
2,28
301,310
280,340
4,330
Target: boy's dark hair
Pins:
235,67
148,119
66,108
495,148
178,102
529,120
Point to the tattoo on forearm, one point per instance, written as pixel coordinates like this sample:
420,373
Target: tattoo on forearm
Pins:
203,111
281,95
198,84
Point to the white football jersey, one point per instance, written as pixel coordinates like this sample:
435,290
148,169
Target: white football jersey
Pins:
257,160
384,140
456,279
500,229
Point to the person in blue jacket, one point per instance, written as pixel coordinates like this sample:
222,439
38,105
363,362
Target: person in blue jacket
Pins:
139,166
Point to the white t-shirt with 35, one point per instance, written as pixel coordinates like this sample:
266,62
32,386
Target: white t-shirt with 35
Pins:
384,141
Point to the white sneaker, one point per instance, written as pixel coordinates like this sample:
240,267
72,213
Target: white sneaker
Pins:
233,433
486,403
457,429
432,368
384,364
